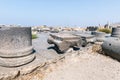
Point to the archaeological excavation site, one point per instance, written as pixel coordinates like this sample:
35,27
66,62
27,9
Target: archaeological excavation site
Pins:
59,54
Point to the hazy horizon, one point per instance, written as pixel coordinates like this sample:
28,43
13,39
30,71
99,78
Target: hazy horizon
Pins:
59,13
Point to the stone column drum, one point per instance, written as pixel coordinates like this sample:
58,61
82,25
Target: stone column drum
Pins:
100,36
15,46
111,45
115,32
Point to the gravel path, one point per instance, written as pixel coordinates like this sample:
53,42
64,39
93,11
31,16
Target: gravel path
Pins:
86,66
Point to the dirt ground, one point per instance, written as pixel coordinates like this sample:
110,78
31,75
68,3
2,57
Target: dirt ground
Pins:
85,64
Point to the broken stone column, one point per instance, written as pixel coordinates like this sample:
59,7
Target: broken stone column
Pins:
100,36
111,45
115,32
15,46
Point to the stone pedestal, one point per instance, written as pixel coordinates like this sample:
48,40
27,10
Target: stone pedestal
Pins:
15,46
100,36
111,45
65,41
115,32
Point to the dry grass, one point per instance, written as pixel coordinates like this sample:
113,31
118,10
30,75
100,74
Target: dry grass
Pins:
97,48
34,36
106,30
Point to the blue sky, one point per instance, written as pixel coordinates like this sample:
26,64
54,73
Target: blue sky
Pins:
59,12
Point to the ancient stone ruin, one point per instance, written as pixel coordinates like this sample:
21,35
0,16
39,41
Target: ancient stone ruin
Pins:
100,36
15,46
64,41
111,45
115,32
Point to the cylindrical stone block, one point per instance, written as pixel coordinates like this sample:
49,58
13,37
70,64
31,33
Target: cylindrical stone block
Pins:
100,36
111,47
15,46
115,32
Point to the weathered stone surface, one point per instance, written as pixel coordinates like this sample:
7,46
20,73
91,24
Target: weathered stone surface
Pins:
46,50
15,46
111,47
88,37
115,32
28,68
8,73
64,41
16,53
64,36
15,62
11,73
100,36
14,39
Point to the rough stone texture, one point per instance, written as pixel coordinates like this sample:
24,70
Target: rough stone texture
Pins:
64,36
44,49
15,46
100,36
88,37
16,53
64,41
15,62
11,73
28,68
111,47
14,38
115,32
